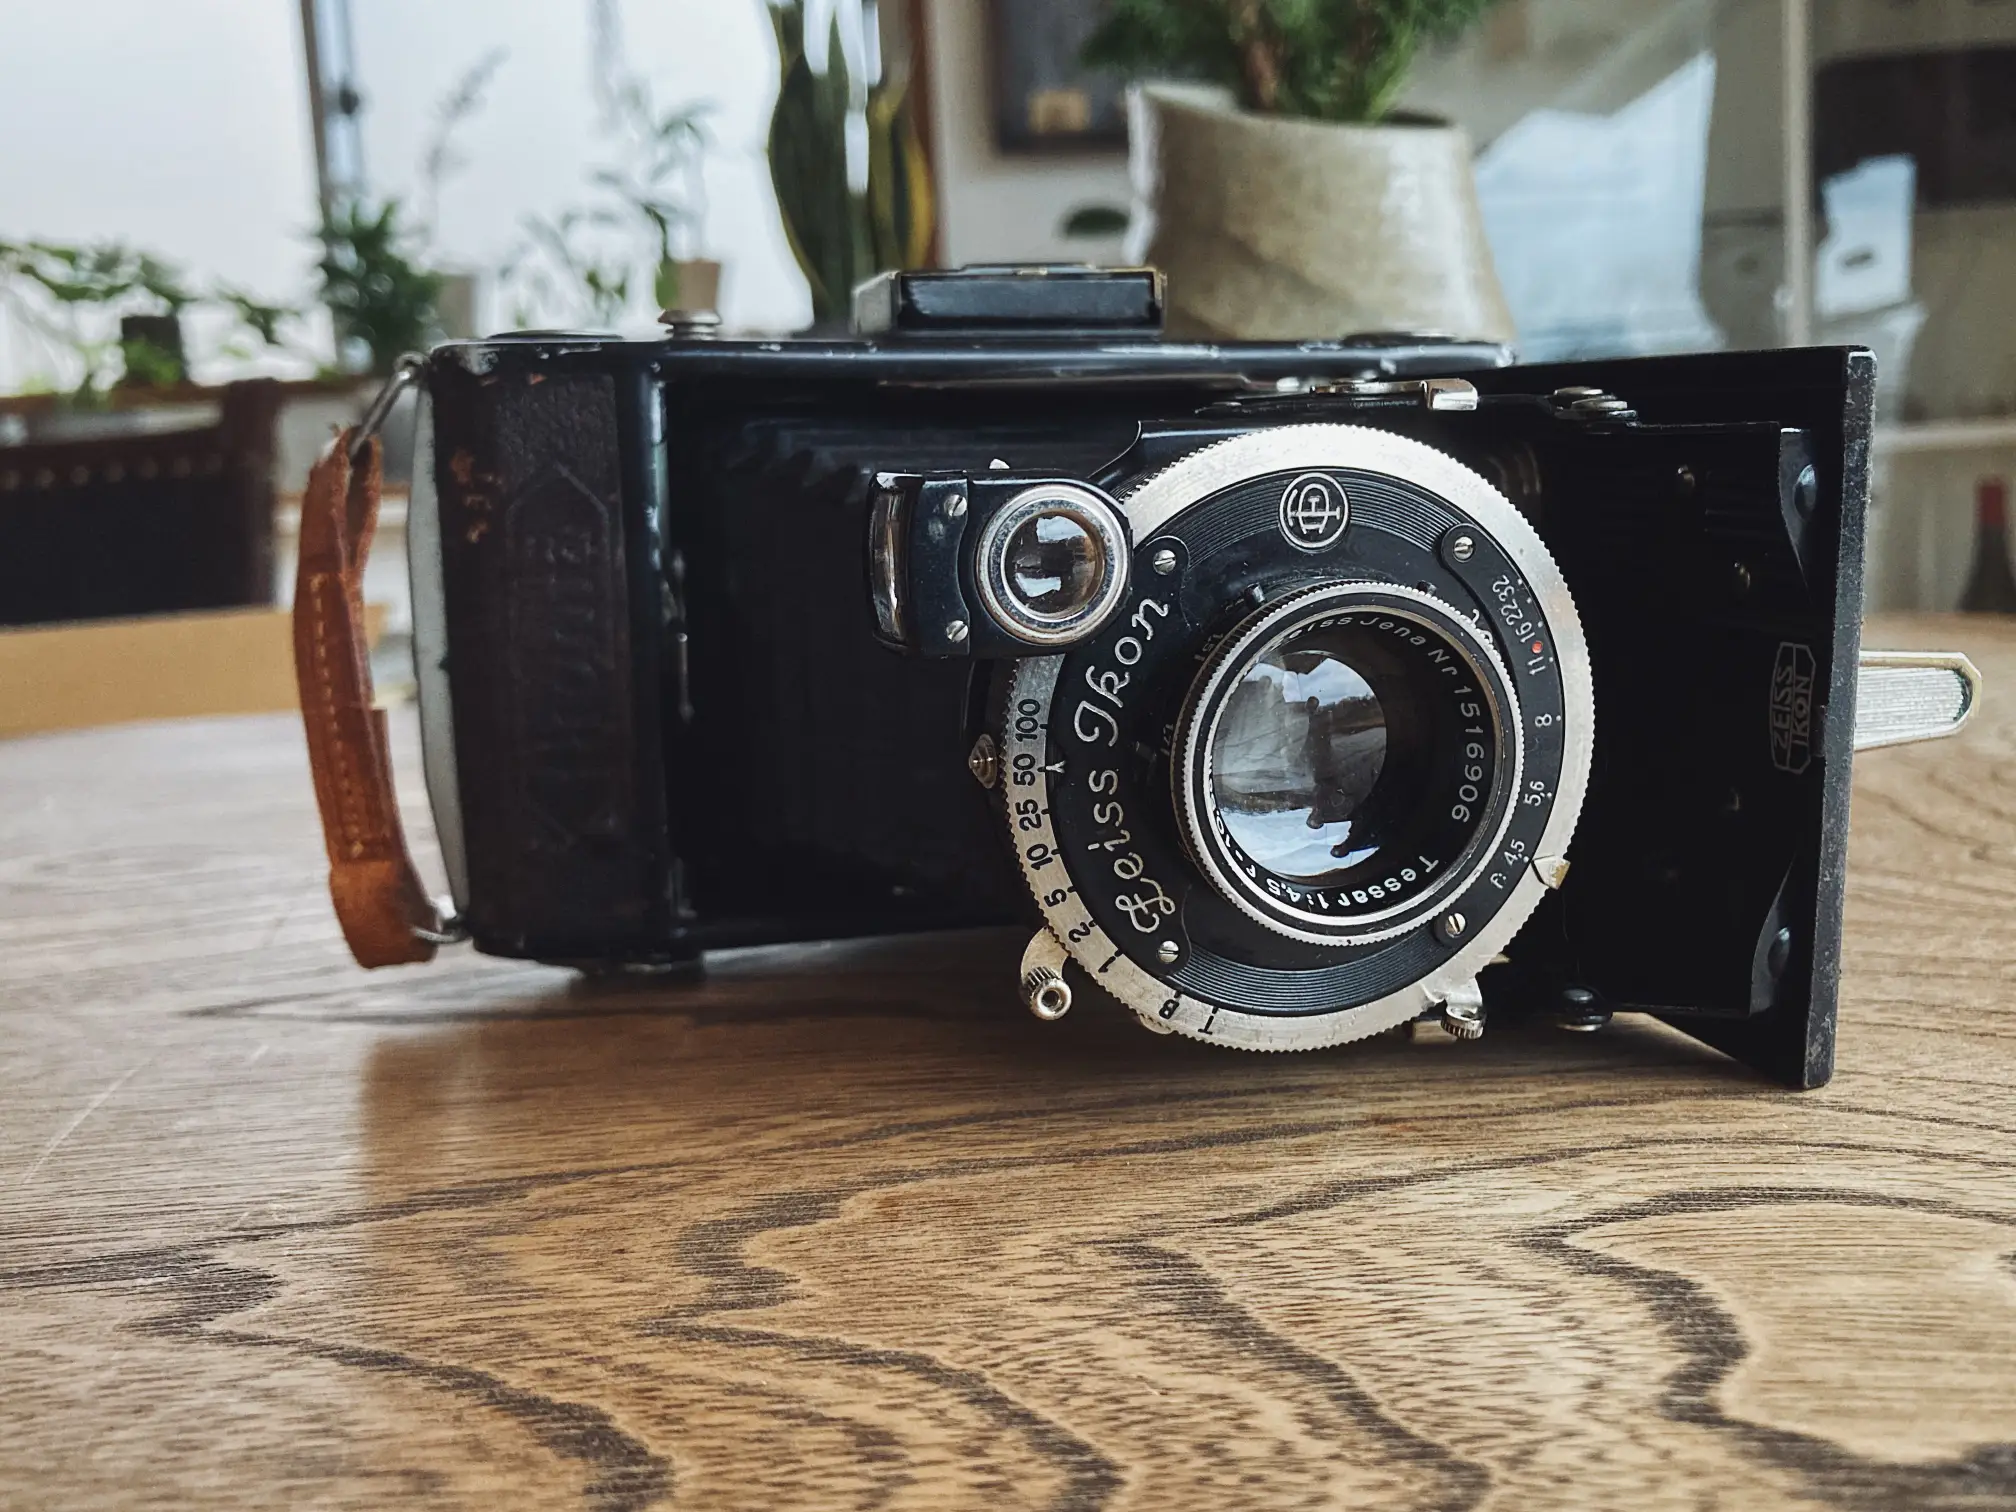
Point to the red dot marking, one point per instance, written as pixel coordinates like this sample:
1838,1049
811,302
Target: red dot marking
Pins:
1538,648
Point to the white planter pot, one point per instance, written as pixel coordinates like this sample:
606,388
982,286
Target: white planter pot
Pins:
1275,228
457,305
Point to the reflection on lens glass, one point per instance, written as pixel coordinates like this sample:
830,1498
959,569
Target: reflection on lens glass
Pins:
1054,565
1299,749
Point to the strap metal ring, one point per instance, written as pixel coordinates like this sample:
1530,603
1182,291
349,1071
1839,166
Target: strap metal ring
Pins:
452,931
405,373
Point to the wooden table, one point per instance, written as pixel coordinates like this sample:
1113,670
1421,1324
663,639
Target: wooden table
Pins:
845,1227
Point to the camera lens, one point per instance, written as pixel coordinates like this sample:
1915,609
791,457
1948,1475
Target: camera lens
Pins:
1300,748
1055,565
1346,756
1052,564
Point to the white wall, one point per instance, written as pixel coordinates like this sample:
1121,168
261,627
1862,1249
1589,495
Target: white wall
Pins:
531,146
997,207
183,128
179,127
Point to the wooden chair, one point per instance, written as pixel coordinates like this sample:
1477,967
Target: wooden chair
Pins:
136,567
142,522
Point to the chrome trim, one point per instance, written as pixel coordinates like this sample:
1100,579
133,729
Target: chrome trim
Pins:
887,526
430,655
452,931
405,373
1045,993
1463,1012
1907,696
1099,515
1456,395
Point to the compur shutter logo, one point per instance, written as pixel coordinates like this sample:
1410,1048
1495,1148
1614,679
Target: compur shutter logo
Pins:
1314,512
1792,708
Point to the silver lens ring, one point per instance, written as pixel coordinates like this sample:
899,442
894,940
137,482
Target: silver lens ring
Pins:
1304,909
1099,532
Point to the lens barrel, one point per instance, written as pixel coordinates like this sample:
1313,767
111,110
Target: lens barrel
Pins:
1345,759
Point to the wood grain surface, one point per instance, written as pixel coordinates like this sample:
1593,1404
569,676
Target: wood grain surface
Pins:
843,1227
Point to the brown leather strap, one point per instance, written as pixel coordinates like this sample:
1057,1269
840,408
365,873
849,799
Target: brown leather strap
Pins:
378,896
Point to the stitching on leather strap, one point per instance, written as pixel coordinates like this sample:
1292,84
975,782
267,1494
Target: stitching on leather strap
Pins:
372,880
340,770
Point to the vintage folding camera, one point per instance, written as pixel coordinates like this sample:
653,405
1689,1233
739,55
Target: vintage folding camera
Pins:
1292,691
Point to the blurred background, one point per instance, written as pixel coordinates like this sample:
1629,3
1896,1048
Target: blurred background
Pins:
221,221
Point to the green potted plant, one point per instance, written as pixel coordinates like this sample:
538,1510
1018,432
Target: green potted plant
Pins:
70,297
384,301
658,185
1279,188
845,158
566,267
646,215
378,266
443,158
663,186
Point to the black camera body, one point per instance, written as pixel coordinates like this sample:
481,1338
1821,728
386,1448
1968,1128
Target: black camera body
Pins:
1011,610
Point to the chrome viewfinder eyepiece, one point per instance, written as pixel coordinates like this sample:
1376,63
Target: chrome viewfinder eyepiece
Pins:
996,565
1051,565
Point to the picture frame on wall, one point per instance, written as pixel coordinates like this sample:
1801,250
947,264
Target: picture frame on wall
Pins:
1044,99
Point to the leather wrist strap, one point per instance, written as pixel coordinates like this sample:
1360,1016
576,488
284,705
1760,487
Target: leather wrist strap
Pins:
379,899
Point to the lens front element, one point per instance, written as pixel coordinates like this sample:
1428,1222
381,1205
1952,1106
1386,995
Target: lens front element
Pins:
1346,757
1300,747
